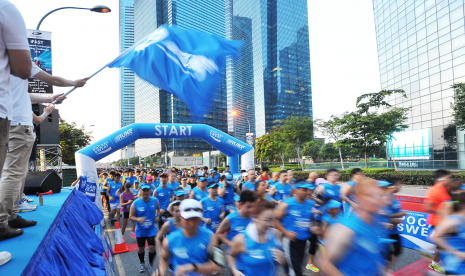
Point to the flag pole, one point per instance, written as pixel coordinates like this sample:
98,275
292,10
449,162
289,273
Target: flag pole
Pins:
74,88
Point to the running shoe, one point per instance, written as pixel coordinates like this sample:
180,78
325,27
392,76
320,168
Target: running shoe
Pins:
142,268
25,198
313,268
436,267
26,207
5,257
150,268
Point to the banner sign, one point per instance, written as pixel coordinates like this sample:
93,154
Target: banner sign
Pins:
414,231
249,139
40,45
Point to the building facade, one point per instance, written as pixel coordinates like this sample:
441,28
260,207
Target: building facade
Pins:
156,106
421,49
271,80
126,99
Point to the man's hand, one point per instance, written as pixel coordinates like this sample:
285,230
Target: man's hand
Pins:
182,270
49,109
112,198
291,235
141,220
81,82
208,221
58,97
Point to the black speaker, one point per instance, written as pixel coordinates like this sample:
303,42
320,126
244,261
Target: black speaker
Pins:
42,182
48,132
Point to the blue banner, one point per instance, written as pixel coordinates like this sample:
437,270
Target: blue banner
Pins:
40,45
225,143
414,231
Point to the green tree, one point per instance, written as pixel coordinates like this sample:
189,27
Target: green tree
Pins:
458,106
332,130
271,145
366,130
134,160
222,158
72,139
329,151
312,149
297,131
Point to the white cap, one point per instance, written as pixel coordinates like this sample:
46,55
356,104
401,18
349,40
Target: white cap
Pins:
191,208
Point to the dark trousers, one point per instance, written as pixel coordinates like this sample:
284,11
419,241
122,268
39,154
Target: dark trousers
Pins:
294,251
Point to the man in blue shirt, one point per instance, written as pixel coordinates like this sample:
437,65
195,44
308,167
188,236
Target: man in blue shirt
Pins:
212,176
113,192
283,189
250,183
217,175
172,183
213,208
130,178
227,171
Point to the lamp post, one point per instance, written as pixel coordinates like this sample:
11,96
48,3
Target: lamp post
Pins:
235,113
98,8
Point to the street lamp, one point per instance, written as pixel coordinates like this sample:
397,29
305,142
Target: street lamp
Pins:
98,8
235,113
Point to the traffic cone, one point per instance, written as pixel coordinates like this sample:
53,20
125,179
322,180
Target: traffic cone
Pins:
120,246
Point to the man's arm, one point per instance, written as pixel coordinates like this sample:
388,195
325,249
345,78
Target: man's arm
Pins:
222,190
346,191
429,207
59,81
38,98
20,63
320,190
447,226
163,231
108,193
192,196
279,213
224,227
338,241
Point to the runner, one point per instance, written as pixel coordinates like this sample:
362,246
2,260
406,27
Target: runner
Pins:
329,190
103,190
395,214
164,194
316,213
293,218
290,178
352,243
179,194
236,222
348,190
192,181
227,170
200,191
172,183
131,178
261,191
191,248
126,198
213,210
283,189
212,177
256,251
251,180
265,175
187,188
435,197
450,238
113,192
143,213
172,224
227,190
330,216
274,179
135,190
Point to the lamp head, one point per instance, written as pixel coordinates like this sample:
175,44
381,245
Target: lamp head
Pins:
100,9
234,113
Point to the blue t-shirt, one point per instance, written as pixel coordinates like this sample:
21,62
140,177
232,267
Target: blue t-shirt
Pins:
189,250
228,172
198,194
113,189
237,224
272,183
453,264
332,192
131,179
210,179
299,217
283,192
173,186
228,197
164,196
249,186
148,210
212,210
136,192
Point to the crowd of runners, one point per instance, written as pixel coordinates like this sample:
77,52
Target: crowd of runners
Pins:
262,221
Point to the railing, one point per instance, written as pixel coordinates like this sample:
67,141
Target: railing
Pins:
401,165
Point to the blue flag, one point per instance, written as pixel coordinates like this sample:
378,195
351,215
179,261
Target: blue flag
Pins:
187,64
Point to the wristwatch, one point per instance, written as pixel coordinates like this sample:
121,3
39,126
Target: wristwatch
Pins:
196,268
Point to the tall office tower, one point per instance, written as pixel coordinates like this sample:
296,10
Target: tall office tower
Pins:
126,35
271,80
156,106
421,49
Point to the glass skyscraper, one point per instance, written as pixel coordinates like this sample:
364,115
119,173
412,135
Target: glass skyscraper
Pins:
421,48
271,80
126,36
156,106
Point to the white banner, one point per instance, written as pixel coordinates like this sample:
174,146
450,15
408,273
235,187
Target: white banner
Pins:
247,160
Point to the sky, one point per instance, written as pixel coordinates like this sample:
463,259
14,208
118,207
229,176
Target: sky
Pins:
343,57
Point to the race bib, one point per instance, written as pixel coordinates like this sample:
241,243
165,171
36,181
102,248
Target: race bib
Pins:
302,224
215,224
147,224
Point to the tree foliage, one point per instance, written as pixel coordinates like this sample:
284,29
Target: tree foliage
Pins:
297,131
72,139
331,129
458,106
312,149
329,151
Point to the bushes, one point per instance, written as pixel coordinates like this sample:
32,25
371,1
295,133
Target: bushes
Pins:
424,178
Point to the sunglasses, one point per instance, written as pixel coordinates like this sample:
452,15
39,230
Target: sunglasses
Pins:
193,209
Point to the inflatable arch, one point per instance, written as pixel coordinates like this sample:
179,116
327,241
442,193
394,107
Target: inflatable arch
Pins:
86,157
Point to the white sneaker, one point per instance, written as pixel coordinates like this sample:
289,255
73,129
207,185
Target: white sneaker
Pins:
5,257
25,198
26,207
142,268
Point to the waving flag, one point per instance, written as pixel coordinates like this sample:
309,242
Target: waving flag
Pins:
187,64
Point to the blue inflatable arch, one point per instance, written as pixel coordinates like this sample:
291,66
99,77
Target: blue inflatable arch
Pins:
230,146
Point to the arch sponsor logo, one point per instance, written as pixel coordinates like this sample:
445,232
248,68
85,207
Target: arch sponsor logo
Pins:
102,148
123,135
216,136
235,144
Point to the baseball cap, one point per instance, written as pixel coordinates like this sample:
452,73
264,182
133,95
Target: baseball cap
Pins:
331,204
179,193
201,179
145,186
212,184
320,180
237,197
213,171
302,184
229,177
383,183
244,174
191,208
149,177
163,175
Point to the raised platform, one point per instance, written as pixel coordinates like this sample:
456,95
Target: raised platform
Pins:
63,241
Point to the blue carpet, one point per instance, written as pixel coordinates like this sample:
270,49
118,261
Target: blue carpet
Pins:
23,247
